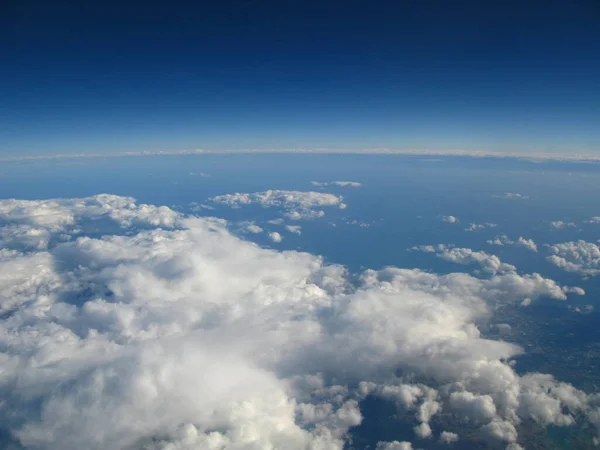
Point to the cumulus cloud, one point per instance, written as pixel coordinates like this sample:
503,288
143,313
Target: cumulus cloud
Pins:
298,205
275,236
447,437
33,224
503,239
395,445
160,331
559,224
449,219
489,263
512,195
336,183
480,226
595,219
198,207
250,227
423,430
526,243
580,257
296,229
471,407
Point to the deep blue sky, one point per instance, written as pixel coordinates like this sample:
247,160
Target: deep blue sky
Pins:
110,76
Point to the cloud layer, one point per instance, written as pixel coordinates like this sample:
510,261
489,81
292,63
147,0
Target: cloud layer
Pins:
576,256
337,183
298,205
503,239
133,326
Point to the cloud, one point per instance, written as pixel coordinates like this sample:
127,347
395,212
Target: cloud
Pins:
595,219
253,228
449,219
298,205
423,430
528,156
336,183
526,243
275,236
474,408
33,224
480,226
514,446
248,227
296,229
576,256
359,223
447,437
512,195
489,263
559,224
161,331
503,239
198,207
395,445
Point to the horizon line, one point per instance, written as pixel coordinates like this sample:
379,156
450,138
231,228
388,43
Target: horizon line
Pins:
534,156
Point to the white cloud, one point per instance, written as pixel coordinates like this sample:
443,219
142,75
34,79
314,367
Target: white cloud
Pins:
514,446
474,408
296,229
423,430
253,228
336,183
595,219
503,239
359,223
249,227
527,156
576,256
394,445
507,272
447,437
275,236
526,243
489,263
512,195
298,205
171,333
480,226
199,174
559,224
449,219
502,430
430,248
32,224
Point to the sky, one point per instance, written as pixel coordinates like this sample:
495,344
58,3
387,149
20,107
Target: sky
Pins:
107,77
